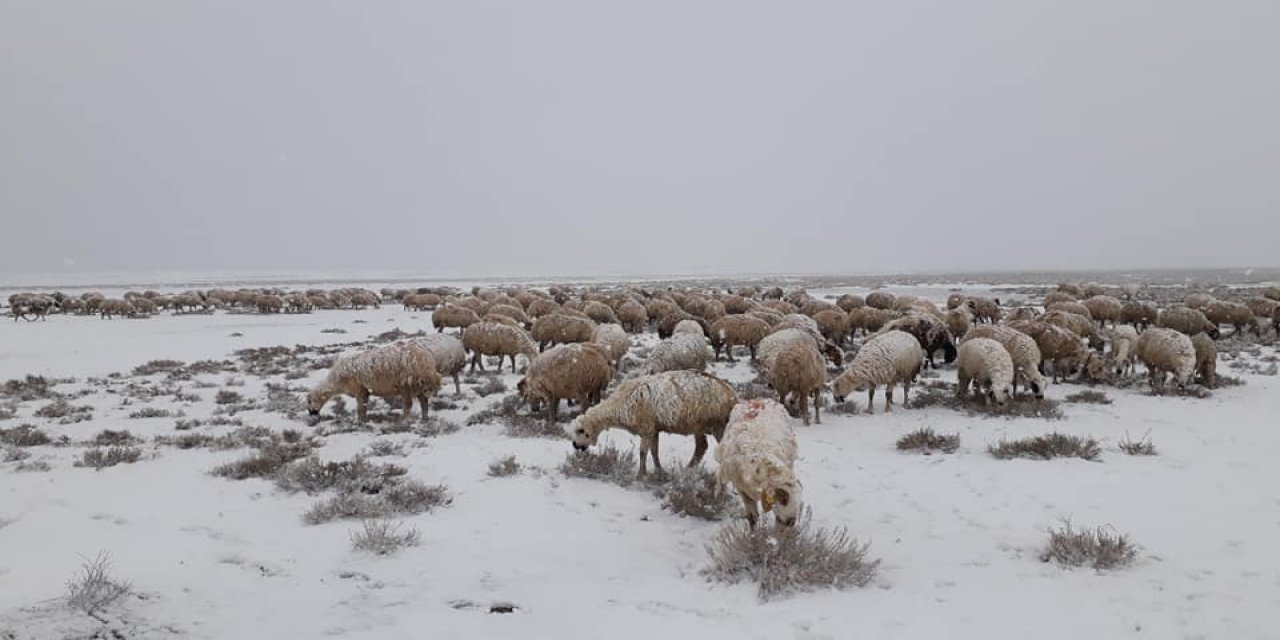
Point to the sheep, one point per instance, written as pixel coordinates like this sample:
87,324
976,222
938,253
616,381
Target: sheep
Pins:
1163,351
561,328
449,355
712,310
541,307
453,316
668,323
143,306
812,307
758,456
1077,308
810,326
956,301
770,317
930,332
1021,313
632,316
1186,320
690,327
401,369
511,311
1080,325
500,319
985,309
659,308
1206,360
735,330
735,304
599,312
781,306
1197,300
1272,293
680,351
1023,351
1238,315
887,359
492,338
881,299
834,325
1058,296
1058,346
115,307
1122,352
683,402
958,321
988,366
613,339
850,301
793,366
420,301
1104,308
1262,308
575,371
1139,314
871,319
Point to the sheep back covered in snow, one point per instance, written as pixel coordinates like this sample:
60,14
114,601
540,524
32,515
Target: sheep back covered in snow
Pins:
757,456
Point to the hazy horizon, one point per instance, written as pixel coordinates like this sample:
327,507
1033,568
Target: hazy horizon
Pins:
571,138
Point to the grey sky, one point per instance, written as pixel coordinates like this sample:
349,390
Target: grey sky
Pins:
592,137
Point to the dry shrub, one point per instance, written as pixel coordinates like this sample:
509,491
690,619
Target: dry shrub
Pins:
1088,396
927,441
609,464
14,454
157,366
24,435
490,386
384,448
66,412
786,560
227,396
1141,447
151,412
108,438
109,457
518,425
1100,548
846,408
383,537
504,467
1228,381
943,394
356,475
436,427
692,492
1046,447
93,588
400,496
32,465
274,452
29,388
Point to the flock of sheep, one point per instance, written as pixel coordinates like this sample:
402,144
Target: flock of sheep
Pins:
135,304
573,343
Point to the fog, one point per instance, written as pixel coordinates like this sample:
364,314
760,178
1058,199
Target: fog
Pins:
600,138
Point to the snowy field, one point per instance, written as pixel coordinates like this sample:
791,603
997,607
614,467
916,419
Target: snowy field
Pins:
959,535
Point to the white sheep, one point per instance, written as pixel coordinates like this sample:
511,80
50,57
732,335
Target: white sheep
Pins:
684,402
403,370
887,359
1164,351
792,364
680,351
757,456
613,338
988,365
1022,349
449,354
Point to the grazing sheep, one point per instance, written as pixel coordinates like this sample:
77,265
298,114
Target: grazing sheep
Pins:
679,352
758,456
930,332
667,325
793,365
599,312
1071,288
1262,308
772,318
690,327
561,328
112,307
781,306
810,326
683,402
1206,360
985,309
1104,309
1139,314
1197,300
1091,289
613,339
403,370
1054,297
1238,315
958,321
834,325
541,307
632,316
1188,321
1080,325
496,339
1121,355
1077,308
511,311
870,319
449,355
737,330
988,366
1164,351
1023,351
453,316
735,304
500,319
576,371
1021,313
812,307
887,359
849,301
956,301
420,301
881,299
1059,347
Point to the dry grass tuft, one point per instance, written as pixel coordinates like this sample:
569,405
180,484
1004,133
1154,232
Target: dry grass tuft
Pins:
504,468
401,496
65,412
151,412
1100,548
110,438
24,435
926,441
356,475
490,386
1046,447
609,464
692,492
1142,447
102,458
157,366
1088,396
786,560
383,537
93,588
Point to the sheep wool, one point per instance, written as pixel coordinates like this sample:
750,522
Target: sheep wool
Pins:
988,366
894,357
1166,351
757,456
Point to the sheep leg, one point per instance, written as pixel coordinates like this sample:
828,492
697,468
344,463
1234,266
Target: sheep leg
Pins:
817,402
406,404
753,512
803,399
871,400
513,363
423,401
457,385
553,408
906,392
699,449
888,398
362,405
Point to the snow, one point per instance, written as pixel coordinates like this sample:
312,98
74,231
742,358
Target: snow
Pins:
958,534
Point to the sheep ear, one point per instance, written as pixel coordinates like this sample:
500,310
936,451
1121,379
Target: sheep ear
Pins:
782,497
768,502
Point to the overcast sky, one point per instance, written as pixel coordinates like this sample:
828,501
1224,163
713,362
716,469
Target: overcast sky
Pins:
591,137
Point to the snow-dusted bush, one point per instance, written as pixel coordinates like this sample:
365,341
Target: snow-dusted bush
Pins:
927,441
93,588
1046,447
109,457
504,467
1100,547
383,537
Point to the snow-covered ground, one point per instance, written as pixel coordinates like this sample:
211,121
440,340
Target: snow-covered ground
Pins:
959,535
